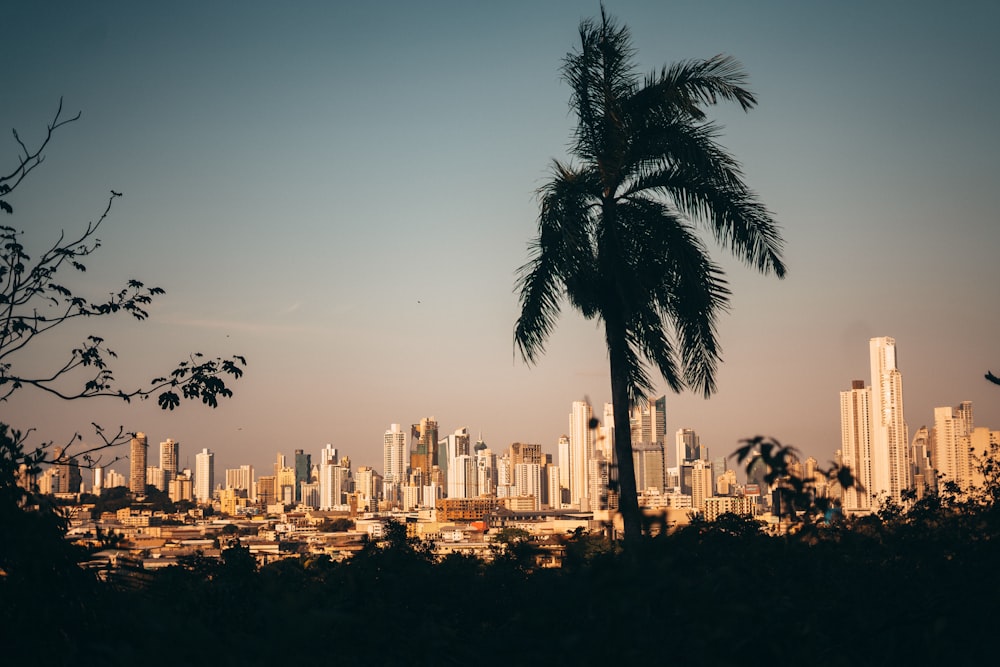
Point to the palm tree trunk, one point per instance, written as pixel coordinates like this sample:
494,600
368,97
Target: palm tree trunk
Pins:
628,496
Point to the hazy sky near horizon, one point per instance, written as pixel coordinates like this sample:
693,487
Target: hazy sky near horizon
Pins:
342,192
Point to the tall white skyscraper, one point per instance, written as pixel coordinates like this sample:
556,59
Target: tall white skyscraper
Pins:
457,444
856,443
950,444
581,450
204,475
890,439
394,454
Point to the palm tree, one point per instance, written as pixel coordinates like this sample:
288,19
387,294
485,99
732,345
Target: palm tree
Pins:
617,230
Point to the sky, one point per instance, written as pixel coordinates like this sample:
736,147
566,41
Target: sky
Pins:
342,193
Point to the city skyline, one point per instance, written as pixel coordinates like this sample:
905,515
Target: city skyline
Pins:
343,196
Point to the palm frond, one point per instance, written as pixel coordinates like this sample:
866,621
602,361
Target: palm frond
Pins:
686,164
559,260
688,85
684,290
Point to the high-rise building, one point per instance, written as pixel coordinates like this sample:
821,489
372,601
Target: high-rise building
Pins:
856,444
687,446
451,447
486,471
924,477
204,475
137,464
303,467
240,478
425,450
890,438
169,451
649,421
581,450
702,484
394,456
650,473
950,443
463,477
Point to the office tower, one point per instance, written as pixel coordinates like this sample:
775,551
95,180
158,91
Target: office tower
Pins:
525,453
368,485
137,464
204,475
554,487
950,444
333,479
169,452
649,421
181,488
113,479
284,483
924,477
486,471
581,450
266,491
394,455
982,442
463,477
890,439
154,477
69,471
310,494
687,446
563,455
425,450
605,441
702,484
303,466
528,481
650,473
98,480
240,478
457,444
599,495
856,444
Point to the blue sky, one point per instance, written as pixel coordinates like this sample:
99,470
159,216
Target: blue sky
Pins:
342,194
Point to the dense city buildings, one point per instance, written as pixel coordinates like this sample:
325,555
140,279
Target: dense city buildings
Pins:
449,490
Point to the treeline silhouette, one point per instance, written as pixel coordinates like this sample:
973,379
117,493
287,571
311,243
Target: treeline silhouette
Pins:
903,586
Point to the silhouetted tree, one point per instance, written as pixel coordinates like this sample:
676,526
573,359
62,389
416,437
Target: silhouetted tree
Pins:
616,231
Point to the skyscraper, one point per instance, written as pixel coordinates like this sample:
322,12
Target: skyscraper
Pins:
649,421
303,467
890,439
425,452
168,460
856,443
394,462
950,443
581,450
687,445
137,464
204,475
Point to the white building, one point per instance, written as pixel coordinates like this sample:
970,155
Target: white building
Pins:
890,439
580,451
394,461
856,444
204,475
